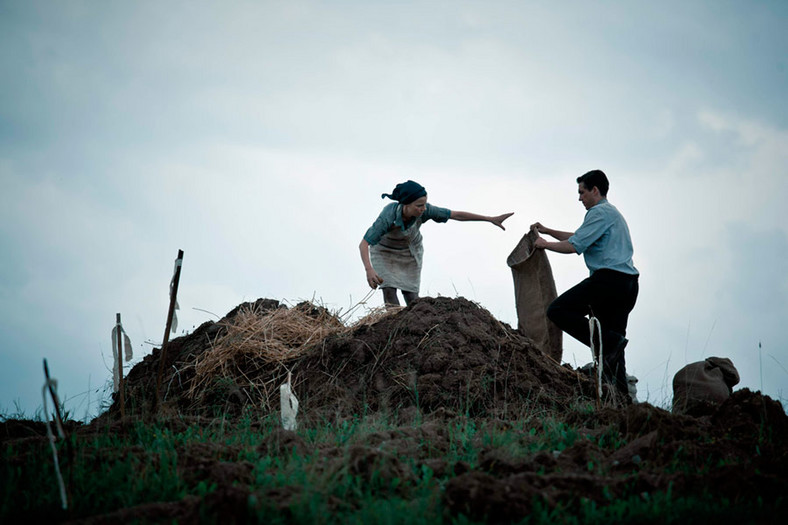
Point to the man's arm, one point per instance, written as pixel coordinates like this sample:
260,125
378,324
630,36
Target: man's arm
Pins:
556,234
468,216
559,246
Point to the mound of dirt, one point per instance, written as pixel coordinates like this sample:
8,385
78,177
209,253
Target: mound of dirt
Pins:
436,353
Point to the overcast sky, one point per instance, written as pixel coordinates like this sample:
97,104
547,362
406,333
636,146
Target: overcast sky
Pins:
258,137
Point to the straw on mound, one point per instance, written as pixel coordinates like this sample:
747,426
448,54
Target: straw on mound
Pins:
257,338
259,344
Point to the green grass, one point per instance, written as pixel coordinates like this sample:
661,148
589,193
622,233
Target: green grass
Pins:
111,470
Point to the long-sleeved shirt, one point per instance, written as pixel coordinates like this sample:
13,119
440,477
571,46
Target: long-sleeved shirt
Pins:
604,240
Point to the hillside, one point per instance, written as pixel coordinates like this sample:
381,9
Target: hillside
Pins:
438,408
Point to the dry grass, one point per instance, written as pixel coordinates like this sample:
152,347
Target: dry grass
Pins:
261,344
376,314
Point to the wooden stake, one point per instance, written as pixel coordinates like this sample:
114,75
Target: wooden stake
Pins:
121,394
173,299
60,432
53,394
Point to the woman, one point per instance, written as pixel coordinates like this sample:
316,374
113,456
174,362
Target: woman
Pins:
392,251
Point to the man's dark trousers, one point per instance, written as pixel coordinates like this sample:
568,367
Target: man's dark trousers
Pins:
610,296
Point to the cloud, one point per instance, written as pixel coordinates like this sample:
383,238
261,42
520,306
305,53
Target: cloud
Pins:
710,238
758,267
758,158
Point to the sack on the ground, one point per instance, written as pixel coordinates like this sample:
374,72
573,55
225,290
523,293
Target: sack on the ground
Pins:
534,290
703,383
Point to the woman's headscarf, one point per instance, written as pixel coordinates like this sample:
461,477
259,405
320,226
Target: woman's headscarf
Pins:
406,192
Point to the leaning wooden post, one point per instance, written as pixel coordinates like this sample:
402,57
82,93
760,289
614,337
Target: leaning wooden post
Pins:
173,300
51,385
121,394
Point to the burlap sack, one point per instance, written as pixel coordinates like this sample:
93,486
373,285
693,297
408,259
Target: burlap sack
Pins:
703,384
534,290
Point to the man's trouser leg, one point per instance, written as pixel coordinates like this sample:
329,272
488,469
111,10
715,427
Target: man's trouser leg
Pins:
569,310
609,296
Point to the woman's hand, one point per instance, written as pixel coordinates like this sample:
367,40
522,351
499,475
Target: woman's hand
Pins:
498,221
373,279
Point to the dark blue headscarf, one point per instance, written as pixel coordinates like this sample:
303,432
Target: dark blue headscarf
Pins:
406,192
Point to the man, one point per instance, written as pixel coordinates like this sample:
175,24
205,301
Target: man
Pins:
609,294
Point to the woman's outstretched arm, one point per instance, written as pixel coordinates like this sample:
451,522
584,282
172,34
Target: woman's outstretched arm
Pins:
468,216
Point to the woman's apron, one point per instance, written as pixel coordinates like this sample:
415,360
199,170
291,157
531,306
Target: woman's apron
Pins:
397,258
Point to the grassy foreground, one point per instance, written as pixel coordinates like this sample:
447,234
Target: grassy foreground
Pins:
373,469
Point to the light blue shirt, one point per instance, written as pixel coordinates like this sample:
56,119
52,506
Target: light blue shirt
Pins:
391,216
604,240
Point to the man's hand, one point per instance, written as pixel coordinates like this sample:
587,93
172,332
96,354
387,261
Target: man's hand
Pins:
540,243
538,227
556,234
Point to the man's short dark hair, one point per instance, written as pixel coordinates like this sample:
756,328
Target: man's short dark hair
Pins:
595,178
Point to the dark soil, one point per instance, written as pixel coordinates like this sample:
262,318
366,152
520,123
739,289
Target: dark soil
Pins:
438,353
725,454
432,364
